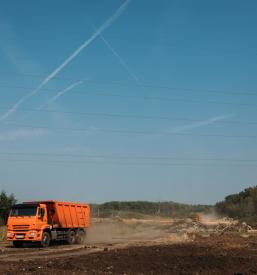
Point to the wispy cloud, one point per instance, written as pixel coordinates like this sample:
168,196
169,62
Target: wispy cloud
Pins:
13,52
60,93
207,122
70,150
21,134
103,27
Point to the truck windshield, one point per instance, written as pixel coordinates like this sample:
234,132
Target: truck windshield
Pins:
23,211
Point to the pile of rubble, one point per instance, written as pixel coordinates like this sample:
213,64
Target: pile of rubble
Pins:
234,227
220,226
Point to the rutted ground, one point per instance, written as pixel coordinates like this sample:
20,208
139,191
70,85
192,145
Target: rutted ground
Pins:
143,246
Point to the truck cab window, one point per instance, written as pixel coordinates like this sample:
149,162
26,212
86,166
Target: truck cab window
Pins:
23,211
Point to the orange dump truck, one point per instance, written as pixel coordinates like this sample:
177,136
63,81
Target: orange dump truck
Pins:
46,221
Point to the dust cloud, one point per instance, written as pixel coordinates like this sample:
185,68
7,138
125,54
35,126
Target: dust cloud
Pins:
111,231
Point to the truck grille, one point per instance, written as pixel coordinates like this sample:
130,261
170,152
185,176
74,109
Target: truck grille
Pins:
22,227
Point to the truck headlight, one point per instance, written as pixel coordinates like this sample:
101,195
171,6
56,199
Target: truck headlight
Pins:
10,234
32,234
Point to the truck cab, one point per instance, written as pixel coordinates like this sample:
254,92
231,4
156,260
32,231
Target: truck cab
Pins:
26,223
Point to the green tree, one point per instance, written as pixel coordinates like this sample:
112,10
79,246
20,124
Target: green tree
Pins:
128,208
242,206
6,202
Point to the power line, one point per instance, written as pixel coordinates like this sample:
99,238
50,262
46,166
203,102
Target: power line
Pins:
130,41
166,99
69,162
158,98
126,157
180,45
129,84
131,116
126,131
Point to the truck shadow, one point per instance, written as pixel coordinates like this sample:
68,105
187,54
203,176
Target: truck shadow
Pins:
37,245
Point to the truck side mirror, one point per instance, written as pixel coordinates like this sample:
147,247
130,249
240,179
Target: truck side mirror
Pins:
41,213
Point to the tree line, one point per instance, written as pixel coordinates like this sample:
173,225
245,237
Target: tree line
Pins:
132,208
6,202
242,206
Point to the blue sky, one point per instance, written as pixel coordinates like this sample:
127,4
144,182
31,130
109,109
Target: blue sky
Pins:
128,100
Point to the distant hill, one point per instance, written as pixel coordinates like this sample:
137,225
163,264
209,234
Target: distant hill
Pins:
130,208
242,206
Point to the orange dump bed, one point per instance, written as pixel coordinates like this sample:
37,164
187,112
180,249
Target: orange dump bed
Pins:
72,215
68,214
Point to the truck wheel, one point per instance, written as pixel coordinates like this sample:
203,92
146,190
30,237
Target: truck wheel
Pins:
17,244
80,238
71,237
45,241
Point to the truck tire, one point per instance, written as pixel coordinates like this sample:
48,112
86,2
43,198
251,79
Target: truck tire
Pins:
80,238
71,237
46,239
17,244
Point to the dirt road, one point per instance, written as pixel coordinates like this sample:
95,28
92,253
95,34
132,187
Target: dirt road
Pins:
125,250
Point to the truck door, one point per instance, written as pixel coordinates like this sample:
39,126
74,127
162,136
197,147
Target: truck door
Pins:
41,216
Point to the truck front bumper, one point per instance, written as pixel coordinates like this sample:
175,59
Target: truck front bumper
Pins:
32,235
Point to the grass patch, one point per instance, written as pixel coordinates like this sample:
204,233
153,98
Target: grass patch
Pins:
2,233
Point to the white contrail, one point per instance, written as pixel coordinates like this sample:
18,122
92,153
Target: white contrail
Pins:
121,60
60,93
201,123
115,53
103,27
54,98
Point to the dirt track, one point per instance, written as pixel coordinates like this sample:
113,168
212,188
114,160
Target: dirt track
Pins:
162,254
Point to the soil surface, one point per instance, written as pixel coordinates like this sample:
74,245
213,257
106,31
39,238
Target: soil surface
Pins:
226,254
169,253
